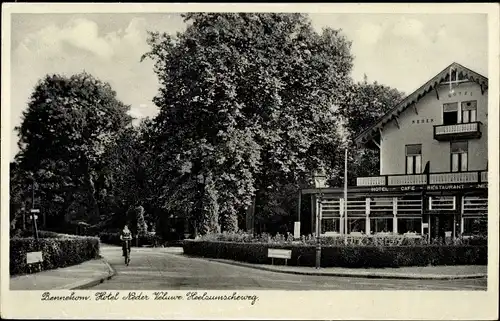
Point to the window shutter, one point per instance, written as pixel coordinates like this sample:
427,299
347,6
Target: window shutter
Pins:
454,162
473,116
409,165
418,164
464,162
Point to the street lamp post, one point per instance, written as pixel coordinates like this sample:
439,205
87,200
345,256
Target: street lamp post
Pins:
319,182
34,211
346,224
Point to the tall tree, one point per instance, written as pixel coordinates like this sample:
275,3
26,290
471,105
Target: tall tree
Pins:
363,105
245,105
64,132
127,176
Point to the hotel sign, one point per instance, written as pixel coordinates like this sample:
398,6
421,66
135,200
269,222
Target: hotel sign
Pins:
436,187
399,189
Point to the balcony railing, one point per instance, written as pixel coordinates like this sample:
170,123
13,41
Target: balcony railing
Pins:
484,176
425,179
371,181
454,178
397,180
457,131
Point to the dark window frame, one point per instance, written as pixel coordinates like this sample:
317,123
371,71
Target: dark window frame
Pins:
468,111
459,158
457,104
414,158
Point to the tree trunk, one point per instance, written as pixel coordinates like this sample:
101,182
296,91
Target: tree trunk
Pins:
89,183
209,212
250,221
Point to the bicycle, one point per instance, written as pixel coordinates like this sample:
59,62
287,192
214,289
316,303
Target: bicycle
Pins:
127,252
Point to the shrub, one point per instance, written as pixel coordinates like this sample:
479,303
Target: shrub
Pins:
343,256
110,238
56,252
148,238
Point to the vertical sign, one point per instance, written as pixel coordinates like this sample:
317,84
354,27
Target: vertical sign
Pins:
296,230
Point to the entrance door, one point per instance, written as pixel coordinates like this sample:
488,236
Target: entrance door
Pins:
442,226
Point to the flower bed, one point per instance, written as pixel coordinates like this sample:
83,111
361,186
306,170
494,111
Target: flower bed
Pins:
364,252
363,240
57,252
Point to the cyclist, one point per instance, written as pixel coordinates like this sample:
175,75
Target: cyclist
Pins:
125,236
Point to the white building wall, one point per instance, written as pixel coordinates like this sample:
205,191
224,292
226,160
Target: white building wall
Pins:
418,129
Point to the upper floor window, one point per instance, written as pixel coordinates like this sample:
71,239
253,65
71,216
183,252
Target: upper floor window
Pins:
450,114
469,111
413,159
459,155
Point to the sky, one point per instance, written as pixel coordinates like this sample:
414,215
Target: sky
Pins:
399,50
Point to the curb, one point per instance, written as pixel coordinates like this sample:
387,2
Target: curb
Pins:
373,275
92,282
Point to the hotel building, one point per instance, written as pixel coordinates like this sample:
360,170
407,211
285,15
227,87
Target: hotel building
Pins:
433,166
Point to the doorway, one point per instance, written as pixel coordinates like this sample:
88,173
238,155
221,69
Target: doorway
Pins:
442,226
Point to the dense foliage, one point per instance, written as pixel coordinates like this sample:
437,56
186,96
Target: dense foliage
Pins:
69,123
250,105
246,106
364,104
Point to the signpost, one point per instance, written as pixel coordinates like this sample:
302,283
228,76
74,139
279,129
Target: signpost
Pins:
34,257
34,217
279,254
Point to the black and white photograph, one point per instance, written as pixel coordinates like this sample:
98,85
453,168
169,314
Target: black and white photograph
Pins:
234,155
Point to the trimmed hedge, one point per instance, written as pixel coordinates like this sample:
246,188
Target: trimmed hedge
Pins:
57,252
339,240
47,234
343,256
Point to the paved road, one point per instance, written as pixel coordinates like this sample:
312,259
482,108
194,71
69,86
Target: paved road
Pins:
156,269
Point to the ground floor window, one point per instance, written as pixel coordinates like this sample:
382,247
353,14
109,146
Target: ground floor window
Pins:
409,225
442,203
356,225
330,225
475,225
381,225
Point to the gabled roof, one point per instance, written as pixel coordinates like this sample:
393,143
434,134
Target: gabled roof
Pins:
373,131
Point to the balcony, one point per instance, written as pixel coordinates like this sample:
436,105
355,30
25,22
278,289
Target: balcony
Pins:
454,178
457,131
399,180
424,179
371,181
